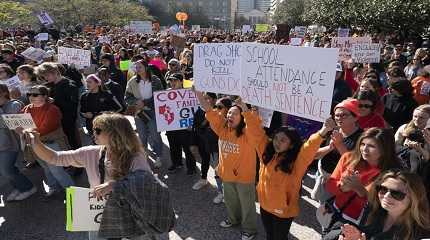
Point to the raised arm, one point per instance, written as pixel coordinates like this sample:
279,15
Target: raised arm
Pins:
203,103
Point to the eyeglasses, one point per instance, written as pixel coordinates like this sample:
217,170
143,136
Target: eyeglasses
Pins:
34,94
365,105
397,195
97,131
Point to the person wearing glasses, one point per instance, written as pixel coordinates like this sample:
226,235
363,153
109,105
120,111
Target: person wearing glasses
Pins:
367,102
117,153
342,140
353,176
47,118
399,210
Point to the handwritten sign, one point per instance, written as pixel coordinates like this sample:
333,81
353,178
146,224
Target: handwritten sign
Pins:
297,81
12,82
296,41
366,53
217,67
266,115
246,28
300,31
104,39
83,210
175,108
195,28
13,121
345,45
262,27
141,26
79,57
343,32
35,54
42,37
45,19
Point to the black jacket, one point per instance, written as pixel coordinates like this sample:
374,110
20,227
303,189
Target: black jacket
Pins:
66,97
398,110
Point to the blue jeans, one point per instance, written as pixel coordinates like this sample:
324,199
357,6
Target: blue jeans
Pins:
56,176
11,172
149,130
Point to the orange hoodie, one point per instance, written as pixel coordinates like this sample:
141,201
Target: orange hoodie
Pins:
279,192
237,155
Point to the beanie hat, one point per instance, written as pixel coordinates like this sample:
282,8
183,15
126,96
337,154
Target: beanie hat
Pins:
349,104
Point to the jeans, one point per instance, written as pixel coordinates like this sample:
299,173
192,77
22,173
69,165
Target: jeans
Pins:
56,176
149,130
11,172
276,228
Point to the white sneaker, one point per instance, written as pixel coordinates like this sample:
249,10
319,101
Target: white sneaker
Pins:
247,236
158,163
199,184
219,198
226,224
12,195
25,195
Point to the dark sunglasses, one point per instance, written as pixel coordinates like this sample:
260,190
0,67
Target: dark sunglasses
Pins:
97,131
397,195
34,94
365,105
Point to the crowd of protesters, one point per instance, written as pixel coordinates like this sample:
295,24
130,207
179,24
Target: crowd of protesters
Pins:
371,158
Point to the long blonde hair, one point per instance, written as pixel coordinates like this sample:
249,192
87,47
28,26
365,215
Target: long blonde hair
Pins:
123,143
417,214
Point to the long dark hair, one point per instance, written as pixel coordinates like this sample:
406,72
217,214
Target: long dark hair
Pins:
288,157
148,71
242,125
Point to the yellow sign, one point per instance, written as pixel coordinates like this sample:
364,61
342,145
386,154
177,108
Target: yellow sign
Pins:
187,83
262,27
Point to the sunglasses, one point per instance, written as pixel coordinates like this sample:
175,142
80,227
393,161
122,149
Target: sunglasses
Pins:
397,195
97,131
365,105
34,94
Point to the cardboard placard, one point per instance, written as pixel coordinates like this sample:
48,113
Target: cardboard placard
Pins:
366,53
79,57
141,26
296,41
45,19
42,37
262,27
345,45
23,120
12,82
35,54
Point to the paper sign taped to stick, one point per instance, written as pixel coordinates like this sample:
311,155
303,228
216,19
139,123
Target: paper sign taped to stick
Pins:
217,67
297,81
79,57
366,53
42,37
12,82
35,54
83,211
345,45
266,115
45,19
23,120
175,108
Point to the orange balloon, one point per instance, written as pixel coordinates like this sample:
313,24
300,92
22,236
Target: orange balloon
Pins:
181,16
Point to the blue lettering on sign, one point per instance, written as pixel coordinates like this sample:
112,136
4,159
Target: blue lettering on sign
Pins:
186,122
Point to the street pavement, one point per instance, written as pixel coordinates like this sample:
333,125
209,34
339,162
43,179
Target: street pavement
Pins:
37,218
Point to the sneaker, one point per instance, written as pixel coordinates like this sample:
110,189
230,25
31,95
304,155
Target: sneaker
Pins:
12,195
247,236
219,198
25,195
199,184
226,224
50,192
157,163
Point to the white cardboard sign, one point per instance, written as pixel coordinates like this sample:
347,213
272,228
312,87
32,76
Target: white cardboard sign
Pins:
141,26
13,121
175,108
83,210
42,37
345,45
45,19
217,67
296,41
297,81
366,53
12,82
35,54
79,57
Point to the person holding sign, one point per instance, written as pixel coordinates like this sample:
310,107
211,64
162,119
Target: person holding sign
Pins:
47,118
117,153
9,148
238,140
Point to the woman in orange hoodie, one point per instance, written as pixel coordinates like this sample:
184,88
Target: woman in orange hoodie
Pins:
283,163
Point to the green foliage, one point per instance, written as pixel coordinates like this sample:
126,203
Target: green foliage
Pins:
13,14
290,12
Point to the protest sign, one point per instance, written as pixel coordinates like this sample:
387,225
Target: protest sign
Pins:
343,32
45,19
297,81
262,27
141,26
300,31
266,116
124,65
366,53
195,28
175,108
246,28
42,37
217,67
79,57
296,41
187,83
104,39
83,210
35,54
12,82
14,121
175,29
345,45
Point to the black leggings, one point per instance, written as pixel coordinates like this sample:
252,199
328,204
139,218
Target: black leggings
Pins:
276,228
